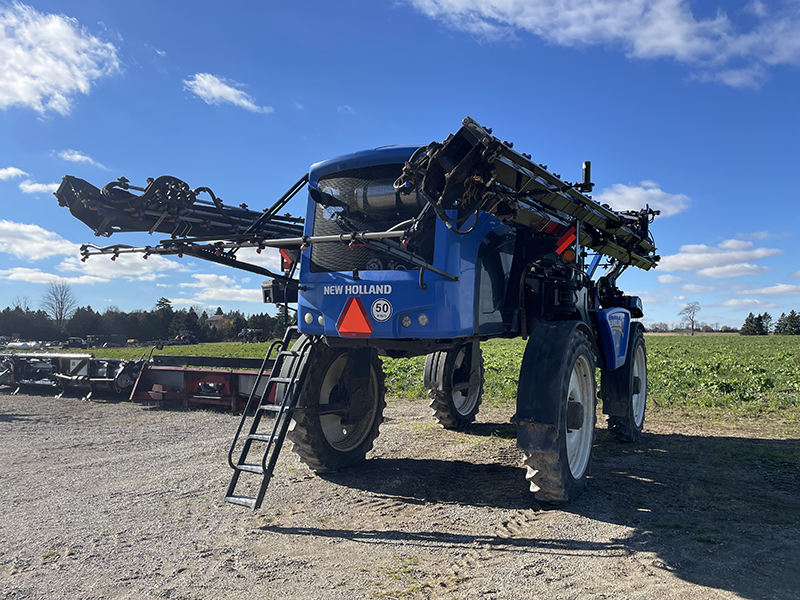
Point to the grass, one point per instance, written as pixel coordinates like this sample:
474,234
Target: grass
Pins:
745,376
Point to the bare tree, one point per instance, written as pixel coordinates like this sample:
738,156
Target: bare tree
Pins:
689,313
21,302
59,302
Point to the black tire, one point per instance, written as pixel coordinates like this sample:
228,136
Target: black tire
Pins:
324,442
455,385
564,387
624,391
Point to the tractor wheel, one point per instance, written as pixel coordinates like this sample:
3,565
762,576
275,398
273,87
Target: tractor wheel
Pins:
455,385
626,388
567,387
330,442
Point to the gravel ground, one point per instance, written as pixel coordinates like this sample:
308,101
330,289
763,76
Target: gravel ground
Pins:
104,499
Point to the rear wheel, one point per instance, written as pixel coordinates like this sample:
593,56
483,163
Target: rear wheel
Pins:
563,387
455,385
330,441
624,391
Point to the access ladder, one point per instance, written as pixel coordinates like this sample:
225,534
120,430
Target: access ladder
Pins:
284,385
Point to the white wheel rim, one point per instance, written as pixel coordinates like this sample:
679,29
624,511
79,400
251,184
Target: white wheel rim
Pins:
639,400
464,403
579,441
344,437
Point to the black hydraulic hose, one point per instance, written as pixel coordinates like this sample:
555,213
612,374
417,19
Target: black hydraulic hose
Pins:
217,203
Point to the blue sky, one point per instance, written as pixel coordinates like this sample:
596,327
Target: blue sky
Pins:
690,106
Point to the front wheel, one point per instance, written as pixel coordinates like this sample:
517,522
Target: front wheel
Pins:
557,382
624,391
340,417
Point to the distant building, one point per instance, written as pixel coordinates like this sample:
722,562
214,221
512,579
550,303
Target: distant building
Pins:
218,321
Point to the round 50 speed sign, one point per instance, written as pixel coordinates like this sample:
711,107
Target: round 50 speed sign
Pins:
381,309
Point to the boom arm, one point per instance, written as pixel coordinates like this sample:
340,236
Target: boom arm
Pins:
168,205
473,171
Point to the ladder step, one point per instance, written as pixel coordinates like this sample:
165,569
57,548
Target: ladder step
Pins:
281,379
270,407
251,468
247,501
260,437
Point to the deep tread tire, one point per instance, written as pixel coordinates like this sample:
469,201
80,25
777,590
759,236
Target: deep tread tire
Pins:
618,386
321,441
560,475
455,408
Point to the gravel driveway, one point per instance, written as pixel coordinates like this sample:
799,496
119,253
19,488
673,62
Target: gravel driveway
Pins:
106,499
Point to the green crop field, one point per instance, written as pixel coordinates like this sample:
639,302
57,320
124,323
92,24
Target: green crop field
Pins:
746,376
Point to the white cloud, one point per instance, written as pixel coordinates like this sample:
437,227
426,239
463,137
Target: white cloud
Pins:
626,197
79,157
699,257
668,279
783,289
269,258
209,280
745,302
714,47
10,172
757,8
33,242
697,289
218,288
48,59
795,274
730,271
759,235
735,245
215,90
161,53
39,276
751,78
31,187
346,109
130,267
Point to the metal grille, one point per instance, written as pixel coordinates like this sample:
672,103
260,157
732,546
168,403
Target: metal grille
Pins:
371,205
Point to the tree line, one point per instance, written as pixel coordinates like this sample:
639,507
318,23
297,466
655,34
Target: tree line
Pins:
762,324
163,322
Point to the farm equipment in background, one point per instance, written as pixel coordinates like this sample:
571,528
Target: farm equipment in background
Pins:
157,379
409,251
61,372
252,336
200,380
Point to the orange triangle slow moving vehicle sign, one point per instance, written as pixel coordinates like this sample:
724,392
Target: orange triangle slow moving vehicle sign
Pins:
354,321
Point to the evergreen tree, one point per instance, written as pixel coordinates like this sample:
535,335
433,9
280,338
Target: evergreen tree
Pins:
750,326
793,323
780,325
84,321
766,322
